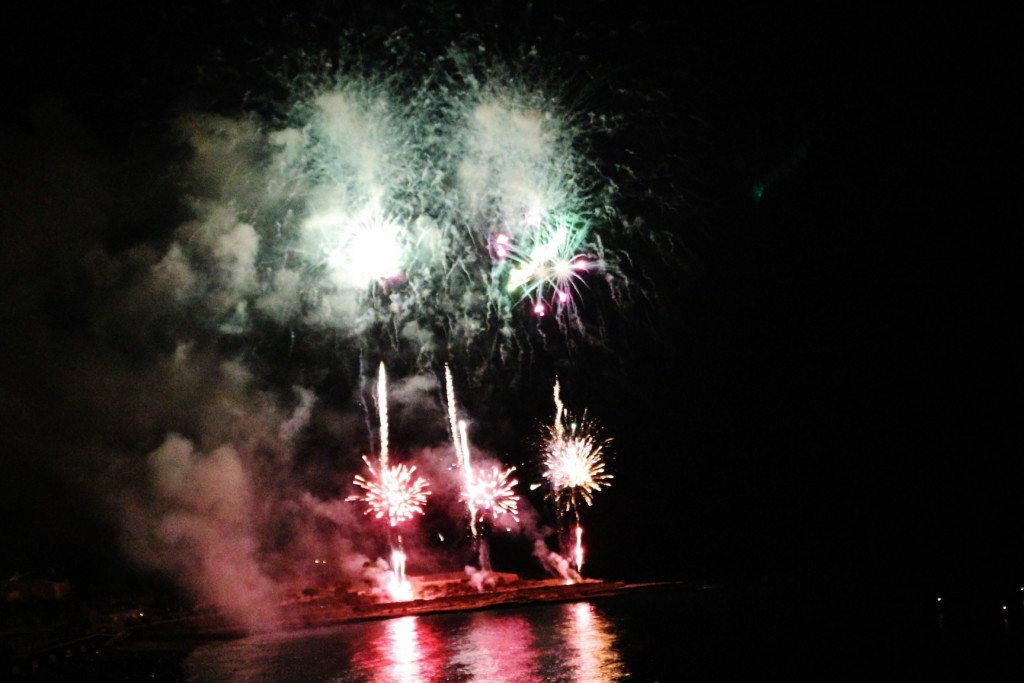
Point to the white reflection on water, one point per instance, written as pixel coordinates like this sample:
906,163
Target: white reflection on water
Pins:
406,650
406,659
590,636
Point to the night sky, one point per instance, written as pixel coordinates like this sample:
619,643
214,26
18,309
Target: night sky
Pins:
818,381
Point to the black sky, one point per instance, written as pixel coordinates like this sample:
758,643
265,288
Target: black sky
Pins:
827,384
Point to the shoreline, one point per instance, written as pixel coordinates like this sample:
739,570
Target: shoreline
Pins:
332,612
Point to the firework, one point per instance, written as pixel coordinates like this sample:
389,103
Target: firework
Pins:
492,493
360,249
487,492
443,199
574,464
550,270
392,492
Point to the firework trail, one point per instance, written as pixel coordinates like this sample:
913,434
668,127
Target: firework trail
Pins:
392,492
488,492
461,444
578,553
467,476
574,466
382,408
559,410
452,412
490,496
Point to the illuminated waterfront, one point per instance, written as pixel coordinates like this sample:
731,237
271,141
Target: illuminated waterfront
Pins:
690,634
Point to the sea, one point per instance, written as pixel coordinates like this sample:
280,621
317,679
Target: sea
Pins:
745,632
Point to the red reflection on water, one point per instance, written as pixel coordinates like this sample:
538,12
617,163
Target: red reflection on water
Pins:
499,648
594,656
407,650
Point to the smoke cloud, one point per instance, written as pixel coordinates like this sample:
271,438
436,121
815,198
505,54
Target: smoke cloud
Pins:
192,338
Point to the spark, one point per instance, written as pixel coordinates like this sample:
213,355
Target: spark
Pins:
501,246
551,267
392,492
574,458
493,495
360,250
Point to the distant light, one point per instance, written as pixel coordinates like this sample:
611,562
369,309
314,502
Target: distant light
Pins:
939,599
757,191
1004,606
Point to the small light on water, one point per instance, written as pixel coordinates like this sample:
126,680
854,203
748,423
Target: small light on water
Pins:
938,599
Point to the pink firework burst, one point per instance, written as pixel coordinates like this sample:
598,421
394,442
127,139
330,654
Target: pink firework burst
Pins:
394,492
491,493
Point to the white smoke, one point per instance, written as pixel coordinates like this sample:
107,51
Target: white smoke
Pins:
553,562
